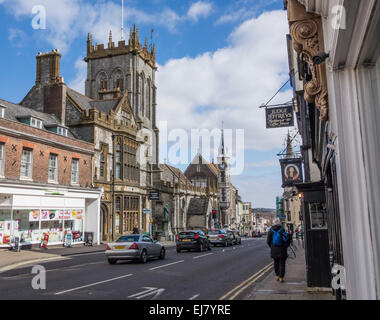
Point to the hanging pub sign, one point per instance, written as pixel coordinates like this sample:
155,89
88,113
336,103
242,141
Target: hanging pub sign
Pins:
279,117
291,170
154,195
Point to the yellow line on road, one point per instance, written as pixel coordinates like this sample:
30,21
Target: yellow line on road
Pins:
235,291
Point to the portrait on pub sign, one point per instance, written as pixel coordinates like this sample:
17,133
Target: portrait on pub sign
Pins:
291,171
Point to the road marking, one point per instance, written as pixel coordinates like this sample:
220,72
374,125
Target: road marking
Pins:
193,297
203,255
252,278
150,290
93,284
165,265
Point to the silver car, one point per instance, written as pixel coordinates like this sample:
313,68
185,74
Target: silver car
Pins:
134,247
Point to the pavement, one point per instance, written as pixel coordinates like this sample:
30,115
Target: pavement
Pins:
294,286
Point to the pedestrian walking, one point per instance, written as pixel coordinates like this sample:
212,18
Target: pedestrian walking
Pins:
135,230
278,241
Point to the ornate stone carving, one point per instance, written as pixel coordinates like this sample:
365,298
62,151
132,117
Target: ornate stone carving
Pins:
306,32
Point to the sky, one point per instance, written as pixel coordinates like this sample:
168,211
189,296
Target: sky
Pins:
218,61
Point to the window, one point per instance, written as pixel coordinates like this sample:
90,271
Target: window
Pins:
125,116
118,204
75,171
318,215
53,167
103,161
131,169
2,112
36,123
148,100
118,162
2,158
26,163
62,131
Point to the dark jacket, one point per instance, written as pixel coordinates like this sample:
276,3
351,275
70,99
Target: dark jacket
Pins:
277,252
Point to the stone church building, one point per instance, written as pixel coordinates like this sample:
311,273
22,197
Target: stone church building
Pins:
118,115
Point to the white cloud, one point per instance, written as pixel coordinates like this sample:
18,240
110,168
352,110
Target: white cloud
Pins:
199,9
79,82
68,19
263,164
233,81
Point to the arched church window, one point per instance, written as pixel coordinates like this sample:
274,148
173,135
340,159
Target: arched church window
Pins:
143,95
102,81
148,101
118,80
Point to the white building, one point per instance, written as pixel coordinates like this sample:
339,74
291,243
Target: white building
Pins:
351,31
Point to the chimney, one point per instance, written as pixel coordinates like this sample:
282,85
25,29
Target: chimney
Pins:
48,65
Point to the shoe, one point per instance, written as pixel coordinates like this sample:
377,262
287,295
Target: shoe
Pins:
277,278
281,279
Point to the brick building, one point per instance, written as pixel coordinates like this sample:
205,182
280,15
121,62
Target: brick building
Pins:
117,114
45,179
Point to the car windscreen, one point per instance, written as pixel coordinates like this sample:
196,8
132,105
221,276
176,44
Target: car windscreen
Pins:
128,239
215,232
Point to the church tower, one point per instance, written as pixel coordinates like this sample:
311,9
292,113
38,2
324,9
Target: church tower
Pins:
125,68
224,185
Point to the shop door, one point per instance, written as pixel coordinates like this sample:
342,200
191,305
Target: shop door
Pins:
316,237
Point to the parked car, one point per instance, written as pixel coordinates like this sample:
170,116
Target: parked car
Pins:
236,237
134,247
192,240
220,236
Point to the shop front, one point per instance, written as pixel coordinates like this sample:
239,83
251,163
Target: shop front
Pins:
47,213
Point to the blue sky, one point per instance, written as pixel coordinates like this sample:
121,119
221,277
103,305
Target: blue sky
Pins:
218,60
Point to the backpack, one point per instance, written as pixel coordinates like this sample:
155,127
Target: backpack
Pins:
280,237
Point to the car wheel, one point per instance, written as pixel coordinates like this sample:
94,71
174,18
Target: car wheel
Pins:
162,254
209,247
112,261
178,250
143,257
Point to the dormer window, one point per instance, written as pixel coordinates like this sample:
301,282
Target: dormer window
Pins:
36,123
125,116
62,131
2,111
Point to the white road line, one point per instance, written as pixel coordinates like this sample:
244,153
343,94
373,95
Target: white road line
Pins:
203,255
196,296
93,284
165,265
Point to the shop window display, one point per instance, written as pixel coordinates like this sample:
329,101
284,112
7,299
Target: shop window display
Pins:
26,225
5,226
57,223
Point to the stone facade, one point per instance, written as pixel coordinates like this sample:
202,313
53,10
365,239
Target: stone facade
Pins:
178,208
118,116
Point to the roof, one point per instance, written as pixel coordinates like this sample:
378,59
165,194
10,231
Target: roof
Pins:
87,103
198,159
80,99
15,111
172,172
105,105
198,206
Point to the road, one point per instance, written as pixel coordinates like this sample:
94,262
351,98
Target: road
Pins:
225,273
